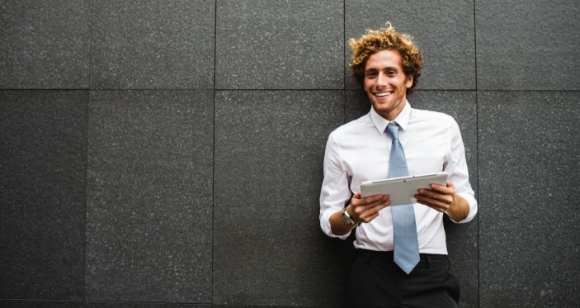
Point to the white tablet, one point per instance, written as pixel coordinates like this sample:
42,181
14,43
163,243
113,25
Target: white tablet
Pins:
402,190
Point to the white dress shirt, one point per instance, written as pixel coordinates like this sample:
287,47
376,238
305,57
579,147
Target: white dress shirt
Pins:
359,151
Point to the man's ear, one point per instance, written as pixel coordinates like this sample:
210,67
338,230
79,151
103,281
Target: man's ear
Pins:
409,81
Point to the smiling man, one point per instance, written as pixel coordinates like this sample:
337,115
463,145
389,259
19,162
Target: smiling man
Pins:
401,256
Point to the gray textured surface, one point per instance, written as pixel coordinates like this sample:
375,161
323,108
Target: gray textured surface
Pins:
42,191
150,191
149,208
528,45
268,246
267,44
144,305
40,304
462,239
529,170
67,304
44,44
443,30
152,44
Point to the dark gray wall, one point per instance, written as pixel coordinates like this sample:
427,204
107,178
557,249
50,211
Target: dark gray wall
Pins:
168,153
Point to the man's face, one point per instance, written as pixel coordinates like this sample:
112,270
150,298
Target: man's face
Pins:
386,84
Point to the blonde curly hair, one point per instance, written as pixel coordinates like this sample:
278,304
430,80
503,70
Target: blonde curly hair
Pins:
385,38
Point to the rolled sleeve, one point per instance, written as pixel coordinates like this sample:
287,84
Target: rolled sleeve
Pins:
458,173
472,208
335,190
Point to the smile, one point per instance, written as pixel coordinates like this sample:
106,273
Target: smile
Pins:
382,94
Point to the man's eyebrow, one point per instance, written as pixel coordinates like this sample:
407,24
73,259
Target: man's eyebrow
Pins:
394,68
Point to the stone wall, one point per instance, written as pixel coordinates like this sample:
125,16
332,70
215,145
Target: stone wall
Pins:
169,153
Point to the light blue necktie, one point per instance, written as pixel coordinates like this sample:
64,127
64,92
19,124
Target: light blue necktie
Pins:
406,244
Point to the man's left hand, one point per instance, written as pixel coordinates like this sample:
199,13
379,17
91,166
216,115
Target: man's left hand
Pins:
444,199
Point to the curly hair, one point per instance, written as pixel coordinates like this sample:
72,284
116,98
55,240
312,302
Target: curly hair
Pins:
385,38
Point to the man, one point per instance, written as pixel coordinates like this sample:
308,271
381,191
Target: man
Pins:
391,268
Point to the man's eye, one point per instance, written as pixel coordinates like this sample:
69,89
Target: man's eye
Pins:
371,74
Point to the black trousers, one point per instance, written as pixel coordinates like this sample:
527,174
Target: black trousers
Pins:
376,281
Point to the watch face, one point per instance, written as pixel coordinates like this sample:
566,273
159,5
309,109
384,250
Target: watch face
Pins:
347,218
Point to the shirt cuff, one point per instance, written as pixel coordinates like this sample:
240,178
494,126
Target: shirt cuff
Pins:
472,208
325,225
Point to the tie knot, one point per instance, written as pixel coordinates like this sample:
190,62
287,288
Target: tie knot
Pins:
393,130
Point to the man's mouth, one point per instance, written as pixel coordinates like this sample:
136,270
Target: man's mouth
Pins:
383,94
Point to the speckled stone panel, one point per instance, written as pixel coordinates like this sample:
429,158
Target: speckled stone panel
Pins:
43,144
443,30
266,44
67,304
528,45
268,246
44,44
529,170
144,305
40,304
152,44
462,239
149,211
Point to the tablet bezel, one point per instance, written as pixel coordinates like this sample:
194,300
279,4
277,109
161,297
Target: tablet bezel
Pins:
403,189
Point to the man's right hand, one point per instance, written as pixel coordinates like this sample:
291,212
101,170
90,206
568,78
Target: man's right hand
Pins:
360,210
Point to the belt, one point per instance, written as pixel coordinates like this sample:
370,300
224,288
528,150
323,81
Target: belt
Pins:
388,256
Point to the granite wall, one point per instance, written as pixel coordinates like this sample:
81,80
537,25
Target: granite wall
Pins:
168,153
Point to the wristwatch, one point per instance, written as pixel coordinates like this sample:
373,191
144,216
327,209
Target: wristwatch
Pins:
347,217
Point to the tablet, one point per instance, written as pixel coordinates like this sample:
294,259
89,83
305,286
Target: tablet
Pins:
403,189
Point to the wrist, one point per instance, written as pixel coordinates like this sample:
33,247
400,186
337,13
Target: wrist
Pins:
348,219
459,209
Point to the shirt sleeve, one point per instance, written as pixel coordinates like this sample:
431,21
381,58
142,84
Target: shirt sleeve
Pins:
456,167
335,190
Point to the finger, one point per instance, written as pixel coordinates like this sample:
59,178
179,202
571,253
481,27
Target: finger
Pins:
441,193
371,208
448,189
354,201
428,193
370,218
378,205
370,200
438,205
375,198
373,212
368,209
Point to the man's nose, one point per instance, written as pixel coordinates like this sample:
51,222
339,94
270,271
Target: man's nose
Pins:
381,80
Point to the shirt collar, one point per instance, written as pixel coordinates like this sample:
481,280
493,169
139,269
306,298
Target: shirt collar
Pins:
402,119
